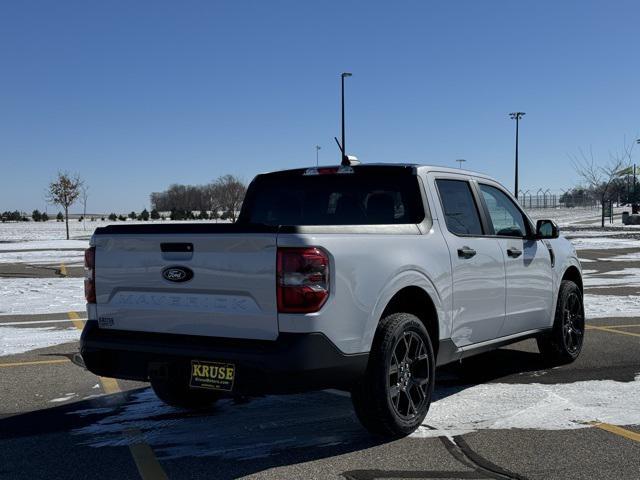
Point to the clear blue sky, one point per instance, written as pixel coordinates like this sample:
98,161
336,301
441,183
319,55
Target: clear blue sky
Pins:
137,95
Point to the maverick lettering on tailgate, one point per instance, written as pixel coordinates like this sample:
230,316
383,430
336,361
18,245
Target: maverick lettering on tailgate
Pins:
212,375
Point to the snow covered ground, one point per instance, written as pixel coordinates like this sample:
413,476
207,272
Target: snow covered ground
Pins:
52,230
44,257
611,306
570,216
604,243
22,296
14,340
274,424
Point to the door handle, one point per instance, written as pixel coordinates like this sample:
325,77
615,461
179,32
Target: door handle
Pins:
514,252
466,252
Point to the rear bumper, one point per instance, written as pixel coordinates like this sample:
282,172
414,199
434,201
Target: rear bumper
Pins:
295,362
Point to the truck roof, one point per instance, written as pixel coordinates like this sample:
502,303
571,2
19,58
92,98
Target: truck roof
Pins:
380,166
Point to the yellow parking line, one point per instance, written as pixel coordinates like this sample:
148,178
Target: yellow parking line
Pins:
77,321
35,362
616,326
624,326
63,270
148,466
146,462
623,432
612,330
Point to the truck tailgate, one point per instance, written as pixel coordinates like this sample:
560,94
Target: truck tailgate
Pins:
232,292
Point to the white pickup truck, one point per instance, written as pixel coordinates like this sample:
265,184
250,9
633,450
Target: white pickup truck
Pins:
362,278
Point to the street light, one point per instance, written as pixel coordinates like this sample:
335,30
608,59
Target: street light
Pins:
516,116
460,162
345,160
318,147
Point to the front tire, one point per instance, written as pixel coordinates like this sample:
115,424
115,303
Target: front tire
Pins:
564,343
394,396
178,394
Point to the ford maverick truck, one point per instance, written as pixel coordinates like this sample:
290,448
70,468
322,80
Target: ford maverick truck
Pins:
359,277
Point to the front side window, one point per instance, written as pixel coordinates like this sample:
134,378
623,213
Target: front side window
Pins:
460,211
506,218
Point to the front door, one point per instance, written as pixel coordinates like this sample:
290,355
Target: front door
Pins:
478,275
527,263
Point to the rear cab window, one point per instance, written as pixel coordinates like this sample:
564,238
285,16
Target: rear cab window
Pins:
365,195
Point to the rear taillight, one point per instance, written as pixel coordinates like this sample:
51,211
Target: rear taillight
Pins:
90,274
302,279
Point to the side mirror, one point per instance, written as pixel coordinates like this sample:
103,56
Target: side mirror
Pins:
546,229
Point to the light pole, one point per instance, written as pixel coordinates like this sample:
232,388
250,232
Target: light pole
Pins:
318,147
345,161
516,116
460,162
633,198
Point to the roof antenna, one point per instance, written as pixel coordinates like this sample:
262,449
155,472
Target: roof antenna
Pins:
341,150
345,159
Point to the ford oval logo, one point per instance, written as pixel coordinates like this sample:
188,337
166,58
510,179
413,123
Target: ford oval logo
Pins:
177,274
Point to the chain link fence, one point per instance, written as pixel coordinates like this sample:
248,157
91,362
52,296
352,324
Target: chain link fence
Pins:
547,198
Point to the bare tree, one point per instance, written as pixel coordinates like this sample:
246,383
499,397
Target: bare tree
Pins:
231,193
85,196
601,177
64,191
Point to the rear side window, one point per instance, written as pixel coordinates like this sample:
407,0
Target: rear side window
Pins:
460,211
335,199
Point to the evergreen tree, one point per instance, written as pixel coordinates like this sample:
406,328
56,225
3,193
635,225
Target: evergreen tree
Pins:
36,215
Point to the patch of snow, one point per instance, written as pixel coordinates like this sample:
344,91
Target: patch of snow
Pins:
586,260
19,340
603,243
67,397
610,306
629,277
532,406
259,428
627,257
593,233
41,295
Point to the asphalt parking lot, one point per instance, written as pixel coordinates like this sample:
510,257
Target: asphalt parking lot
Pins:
59,421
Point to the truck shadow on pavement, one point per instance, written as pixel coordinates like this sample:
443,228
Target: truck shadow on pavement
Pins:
247,438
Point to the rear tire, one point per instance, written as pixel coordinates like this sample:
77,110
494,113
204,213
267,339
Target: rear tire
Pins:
564,343
178,394
394,396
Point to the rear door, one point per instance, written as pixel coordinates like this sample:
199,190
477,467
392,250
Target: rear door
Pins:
477,263
527,262
231,292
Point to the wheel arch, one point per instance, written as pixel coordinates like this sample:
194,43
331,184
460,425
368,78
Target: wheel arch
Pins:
572,273
416,301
